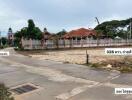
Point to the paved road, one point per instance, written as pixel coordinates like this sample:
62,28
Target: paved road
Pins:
58,81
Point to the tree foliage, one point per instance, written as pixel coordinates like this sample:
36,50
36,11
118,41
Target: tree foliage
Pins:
4,40
109,28
61,33
30,32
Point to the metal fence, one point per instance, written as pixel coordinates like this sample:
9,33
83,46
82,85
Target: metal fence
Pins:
52,44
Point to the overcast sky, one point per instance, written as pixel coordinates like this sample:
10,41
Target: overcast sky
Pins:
61,14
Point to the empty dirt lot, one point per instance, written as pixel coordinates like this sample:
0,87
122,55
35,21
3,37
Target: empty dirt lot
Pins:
76,56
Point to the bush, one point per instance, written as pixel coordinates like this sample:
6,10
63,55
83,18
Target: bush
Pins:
4,93
3,46
95,65
125,69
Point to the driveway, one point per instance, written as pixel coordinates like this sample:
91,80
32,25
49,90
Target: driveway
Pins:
59,81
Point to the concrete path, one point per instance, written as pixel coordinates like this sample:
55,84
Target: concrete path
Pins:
58,81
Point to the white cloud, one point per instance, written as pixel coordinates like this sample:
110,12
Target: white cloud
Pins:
59,14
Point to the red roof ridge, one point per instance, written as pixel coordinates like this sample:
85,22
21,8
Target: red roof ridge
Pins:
80,32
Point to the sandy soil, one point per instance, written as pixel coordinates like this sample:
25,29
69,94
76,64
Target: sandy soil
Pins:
76,56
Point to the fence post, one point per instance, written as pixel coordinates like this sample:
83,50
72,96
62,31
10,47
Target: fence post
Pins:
22,42
57,43
64,42
98,41
70,43
81,42
31,44
87,57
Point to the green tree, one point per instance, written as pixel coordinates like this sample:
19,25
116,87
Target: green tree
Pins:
4,93
4,40
123,34
23,33
61,33
18,35
32,31
111,34
110,27
28,32
31,24
37,34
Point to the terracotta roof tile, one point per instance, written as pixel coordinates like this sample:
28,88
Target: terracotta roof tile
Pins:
82,32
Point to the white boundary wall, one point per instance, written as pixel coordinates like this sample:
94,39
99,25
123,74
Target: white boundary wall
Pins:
50,44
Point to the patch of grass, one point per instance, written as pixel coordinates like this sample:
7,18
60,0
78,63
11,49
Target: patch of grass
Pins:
94,65
119,66
66,62
3,46
18,49
127,69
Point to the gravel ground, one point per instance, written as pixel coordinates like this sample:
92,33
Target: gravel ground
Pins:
76,56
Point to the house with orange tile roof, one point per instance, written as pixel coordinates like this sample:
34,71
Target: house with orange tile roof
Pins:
81,33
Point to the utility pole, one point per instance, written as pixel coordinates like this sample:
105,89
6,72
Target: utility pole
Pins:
97,20
87,57
98,34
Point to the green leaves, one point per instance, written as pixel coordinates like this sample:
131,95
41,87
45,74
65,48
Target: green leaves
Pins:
31,25
61,33
110,28
29,32
4,93
4,40
36,33
32,31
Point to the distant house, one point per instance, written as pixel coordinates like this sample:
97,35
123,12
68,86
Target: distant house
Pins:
81,37
10,37
46,35
81,33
